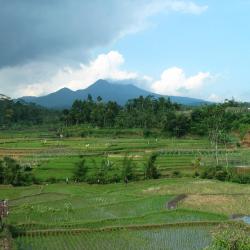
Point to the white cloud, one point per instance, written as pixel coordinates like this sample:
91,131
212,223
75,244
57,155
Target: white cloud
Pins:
215,98
175,82
188,7
183,6
154,7
105,66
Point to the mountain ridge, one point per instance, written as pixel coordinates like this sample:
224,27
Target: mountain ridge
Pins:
109,91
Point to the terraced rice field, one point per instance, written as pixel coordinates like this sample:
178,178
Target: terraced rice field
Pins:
133,216
47,153
184,238
119,216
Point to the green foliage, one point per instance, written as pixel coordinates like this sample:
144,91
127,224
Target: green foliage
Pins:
218,172
13,173
143,112
147,133
214,120
81,171
52,180
20,113
230,238
244,128
96,113
241,178
225,174
128,166
217,120
176,174
104,174
177,124
151,171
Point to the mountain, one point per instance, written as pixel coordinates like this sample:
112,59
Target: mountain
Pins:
120,93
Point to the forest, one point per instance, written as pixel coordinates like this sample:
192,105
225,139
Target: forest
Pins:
147,113
17,114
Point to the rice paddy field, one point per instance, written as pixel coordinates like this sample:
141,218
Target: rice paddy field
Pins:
174,238
51,156
118,216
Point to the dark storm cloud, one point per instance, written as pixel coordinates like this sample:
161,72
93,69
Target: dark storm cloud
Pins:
34,29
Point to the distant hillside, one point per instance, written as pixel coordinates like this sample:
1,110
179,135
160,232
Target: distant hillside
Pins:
120,93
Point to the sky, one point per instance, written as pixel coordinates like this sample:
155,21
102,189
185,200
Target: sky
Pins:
194,48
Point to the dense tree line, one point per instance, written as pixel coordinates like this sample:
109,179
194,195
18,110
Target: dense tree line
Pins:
171,118
141,112
148,113
17,112
93,112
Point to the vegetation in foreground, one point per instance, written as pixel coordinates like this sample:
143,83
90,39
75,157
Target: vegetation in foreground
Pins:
39,213
226,238
128,209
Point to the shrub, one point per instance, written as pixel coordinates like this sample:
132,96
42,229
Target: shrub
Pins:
147,133
128,167
83,134
151,171
226,238
196,174
241,178
218,173
11,172
208,173
52,180
104,174
80,171
91,178
15,231
37,181
112,177
69,134
176,173
223,174
27,168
